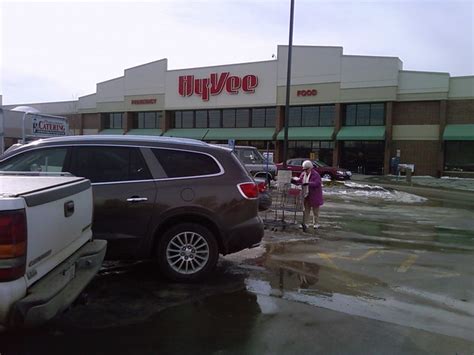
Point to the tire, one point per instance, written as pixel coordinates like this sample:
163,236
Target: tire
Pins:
327,176
187,252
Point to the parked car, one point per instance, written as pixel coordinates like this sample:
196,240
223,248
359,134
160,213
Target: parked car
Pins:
47,256
326,171
254,162
179,201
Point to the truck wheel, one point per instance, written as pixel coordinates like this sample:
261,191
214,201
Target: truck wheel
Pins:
187,252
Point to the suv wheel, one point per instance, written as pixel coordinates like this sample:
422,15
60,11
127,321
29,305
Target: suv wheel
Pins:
187,252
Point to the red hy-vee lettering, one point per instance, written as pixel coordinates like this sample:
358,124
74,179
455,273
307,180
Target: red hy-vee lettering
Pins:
215,83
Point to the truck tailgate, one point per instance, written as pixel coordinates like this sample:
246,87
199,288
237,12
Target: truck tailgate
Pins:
59,217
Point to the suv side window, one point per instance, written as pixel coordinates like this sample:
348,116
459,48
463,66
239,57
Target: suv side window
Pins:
178,163
44,160
109,164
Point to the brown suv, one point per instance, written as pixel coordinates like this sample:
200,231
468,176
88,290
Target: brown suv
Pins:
180,201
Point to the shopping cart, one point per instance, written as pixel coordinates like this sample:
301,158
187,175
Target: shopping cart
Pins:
286,209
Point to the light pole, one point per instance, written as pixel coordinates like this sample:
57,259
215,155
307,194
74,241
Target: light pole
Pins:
26,110
288,85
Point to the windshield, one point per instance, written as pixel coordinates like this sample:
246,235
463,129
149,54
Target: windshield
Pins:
319,163
251,156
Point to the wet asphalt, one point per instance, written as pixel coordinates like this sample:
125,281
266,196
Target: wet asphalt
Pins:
387,273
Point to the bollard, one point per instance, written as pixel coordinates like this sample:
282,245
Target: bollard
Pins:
408,175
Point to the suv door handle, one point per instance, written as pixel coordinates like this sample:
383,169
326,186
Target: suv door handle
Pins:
135,199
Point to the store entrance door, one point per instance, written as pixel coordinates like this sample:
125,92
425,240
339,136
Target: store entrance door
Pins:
363,157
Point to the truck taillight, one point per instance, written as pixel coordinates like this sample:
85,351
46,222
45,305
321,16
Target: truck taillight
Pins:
13,237
249,190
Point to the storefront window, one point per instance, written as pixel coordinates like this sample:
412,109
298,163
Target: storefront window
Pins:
295,117
188,119
270,117
459,156
312,116
178,122
228,118
112,120
148,120
365,114
258,117
201,119
377,114
327,115
242,117
214,118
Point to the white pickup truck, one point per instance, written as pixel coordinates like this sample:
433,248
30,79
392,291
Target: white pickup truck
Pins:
47,256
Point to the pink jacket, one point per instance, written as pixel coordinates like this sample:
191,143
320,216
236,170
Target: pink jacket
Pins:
315,194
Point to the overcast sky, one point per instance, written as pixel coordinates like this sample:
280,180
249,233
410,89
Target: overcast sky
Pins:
58,51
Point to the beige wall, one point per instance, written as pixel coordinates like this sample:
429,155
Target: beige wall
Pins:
461,87
158,106
310,65
87,102
111,90
111,106
415,82
368,94
415,132
368,72
145,79
327,93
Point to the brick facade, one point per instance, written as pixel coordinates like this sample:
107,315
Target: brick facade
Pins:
417,112
460,112
91,121
424,154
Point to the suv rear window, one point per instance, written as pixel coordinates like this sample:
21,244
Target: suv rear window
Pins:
178,163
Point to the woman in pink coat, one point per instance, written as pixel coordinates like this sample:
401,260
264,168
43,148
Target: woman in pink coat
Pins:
312,191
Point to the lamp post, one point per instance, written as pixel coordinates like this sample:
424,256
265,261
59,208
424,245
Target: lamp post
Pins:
26,110
288,85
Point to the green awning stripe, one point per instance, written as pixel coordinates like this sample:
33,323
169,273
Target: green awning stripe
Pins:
240,134
308,134
361,133
112,131
194,133
145,132
459,132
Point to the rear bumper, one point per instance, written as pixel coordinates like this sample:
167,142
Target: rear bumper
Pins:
245,235
57,291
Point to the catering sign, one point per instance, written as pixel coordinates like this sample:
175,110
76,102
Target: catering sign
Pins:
49,126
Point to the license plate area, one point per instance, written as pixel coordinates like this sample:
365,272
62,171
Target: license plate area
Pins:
70,273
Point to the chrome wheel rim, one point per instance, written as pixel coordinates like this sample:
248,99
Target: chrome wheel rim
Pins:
187,252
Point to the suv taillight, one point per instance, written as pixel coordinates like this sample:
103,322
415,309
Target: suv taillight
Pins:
248,189
12,244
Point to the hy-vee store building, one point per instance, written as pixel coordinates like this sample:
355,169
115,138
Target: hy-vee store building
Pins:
347,110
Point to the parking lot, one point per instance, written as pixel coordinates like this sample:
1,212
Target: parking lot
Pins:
388,272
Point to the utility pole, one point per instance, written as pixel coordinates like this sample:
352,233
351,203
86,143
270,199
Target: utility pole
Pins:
288,85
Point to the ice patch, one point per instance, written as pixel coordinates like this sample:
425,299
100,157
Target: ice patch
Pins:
352,190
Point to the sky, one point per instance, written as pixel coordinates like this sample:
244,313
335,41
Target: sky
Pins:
60,50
